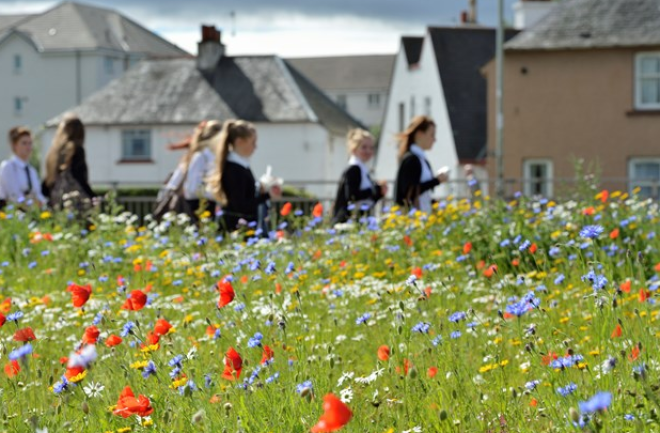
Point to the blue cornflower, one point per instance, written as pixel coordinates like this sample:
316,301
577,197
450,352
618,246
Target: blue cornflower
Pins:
208,380
591,232
559,279
629,417
255,341
176,361
149,370
62,386
531,385
597,281
411,281
270,268
526,244
306,385
363,319
566,362
239,307
422,327
567,390
457,317
255,265
21,352
554,251
454,335
13,317
598,402
273,378
126,329
175,372
437,340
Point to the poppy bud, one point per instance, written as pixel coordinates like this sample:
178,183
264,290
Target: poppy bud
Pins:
227,407
575,416
529,347
614,303
198,417
84,407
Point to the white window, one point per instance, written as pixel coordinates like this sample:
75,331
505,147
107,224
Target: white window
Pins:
537,177
644,173
402,116
18,63
341,101
18,106
412,107
427,106
373,100
647,81
109,64
136,145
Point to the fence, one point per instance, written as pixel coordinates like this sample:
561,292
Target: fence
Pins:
557,188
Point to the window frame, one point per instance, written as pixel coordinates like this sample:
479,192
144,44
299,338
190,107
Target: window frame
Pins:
528,180
639,58
374,100
19,106
127,141
633,183
342,101
18,64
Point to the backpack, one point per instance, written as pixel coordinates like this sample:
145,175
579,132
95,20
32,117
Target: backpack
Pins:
171,200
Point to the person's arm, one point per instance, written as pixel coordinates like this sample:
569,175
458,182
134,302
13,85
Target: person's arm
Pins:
36,191
352,189
9,182
193,184
79,171
407,179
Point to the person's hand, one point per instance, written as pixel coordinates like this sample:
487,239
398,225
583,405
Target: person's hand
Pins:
443,177
276,191
383,187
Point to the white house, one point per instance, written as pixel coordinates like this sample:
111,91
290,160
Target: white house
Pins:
359,84
53,60
132,121
438,75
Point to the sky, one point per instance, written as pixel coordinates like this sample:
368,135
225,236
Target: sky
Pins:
289,28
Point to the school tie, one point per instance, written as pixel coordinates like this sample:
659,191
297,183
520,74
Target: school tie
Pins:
29,179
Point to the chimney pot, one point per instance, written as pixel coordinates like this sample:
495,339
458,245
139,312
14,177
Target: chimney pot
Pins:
209,49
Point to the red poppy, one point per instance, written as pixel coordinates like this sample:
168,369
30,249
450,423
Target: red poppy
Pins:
162,327
548,358
79,294
278,288
233,365
431,372
12,368
335,415
286,209
25,334
136,301
210,330
644,295
317,212
533,248
614,233
588,211
407,365
5,306
91,335
534,402
113,340
407,240
604,195
515,262
625,286
267,354
467,247
3,319
128,405
618,331
417,271
383,353
152,338
227,293
634,354
490,270
74,371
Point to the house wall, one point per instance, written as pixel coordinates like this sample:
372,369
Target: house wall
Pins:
571,104
357,104
420,82
48,83
297,152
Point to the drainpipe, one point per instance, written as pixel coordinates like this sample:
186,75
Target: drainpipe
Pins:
78,78
499,115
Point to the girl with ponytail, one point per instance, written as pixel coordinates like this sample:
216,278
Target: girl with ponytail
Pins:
233,183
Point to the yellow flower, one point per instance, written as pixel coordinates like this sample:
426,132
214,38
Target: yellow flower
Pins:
123,430
78,377
44,215
178,383
139,365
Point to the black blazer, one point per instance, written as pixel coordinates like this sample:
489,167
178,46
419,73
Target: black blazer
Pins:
243,199
408,188
349,191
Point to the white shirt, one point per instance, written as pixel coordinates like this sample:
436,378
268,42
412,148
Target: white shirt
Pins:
425,197
365,182
200,167
238,159
14,182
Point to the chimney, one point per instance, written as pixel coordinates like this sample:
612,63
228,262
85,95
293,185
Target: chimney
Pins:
529,12
209,49
473,12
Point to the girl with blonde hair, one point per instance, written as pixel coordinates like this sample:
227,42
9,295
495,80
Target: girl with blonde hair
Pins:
233,183
66,167
356,189
415,179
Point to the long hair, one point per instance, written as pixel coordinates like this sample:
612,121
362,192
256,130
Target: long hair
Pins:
231,130
407,138
70,137
205,135
16,133
355,137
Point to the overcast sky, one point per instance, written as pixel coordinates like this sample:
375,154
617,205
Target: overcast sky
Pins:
289,28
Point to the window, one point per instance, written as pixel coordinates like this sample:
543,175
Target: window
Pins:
18,63
412,107
373,100
402,116
647,82
341,101
136,145
644,173
427,106
18,105
537,177
109,64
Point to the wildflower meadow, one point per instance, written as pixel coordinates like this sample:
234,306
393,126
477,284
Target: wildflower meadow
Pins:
483,316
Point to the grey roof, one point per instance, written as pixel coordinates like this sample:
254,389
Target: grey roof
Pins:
581,24
11,20
75,26
460,53
254,88
412,46
369,72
